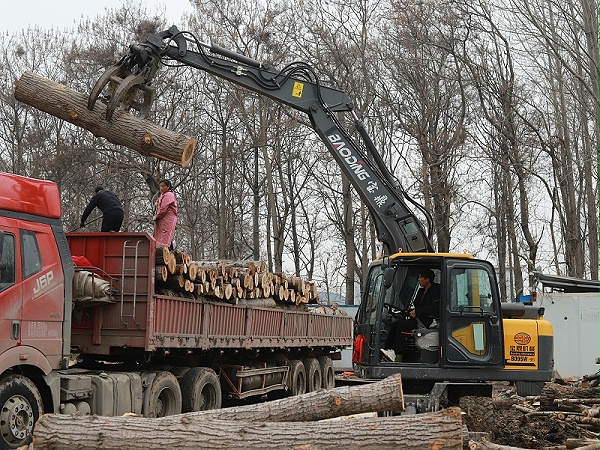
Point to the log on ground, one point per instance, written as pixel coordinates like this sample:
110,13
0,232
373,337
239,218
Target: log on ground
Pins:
124,129
441,430
384,395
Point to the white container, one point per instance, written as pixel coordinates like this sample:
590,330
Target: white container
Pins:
574,318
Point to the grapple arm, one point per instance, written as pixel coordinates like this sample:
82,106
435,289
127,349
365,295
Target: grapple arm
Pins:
127,84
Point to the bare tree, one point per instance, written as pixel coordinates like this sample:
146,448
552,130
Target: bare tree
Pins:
567,83
424,90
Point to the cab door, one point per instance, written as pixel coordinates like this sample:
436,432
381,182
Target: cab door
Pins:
368,319
473,326
43,291
11,290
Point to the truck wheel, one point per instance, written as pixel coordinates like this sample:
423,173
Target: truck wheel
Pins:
313,374
179,372
327,372
201,390
297,377
21,406
164,396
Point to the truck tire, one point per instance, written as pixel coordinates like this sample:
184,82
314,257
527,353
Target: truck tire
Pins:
20,407
297,377
201,390
163,395
327,372
179,372
313,374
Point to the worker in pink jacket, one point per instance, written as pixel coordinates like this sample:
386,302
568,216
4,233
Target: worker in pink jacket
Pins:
165,218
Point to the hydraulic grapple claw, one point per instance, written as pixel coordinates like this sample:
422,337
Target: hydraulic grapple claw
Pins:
122,89
110,78
131,93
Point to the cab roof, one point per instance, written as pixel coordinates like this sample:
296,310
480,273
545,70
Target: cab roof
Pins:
29,195
464,255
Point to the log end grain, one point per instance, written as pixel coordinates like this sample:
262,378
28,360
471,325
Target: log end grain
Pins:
188,152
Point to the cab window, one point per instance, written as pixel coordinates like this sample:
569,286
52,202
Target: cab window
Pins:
7,260
373,291
31,257
471,290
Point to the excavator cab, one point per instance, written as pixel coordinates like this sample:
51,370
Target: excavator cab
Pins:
464,329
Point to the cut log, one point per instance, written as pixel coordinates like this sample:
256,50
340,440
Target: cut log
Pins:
193,271
181,269
585,420
259,426
248,281
161,273
171,264
163,255
592,412
441,430
227,291
486,445
124,129
182,257
176,282
258,303
189,286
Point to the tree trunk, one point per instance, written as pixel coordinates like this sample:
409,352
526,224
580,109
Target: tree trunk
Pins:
441,430
349,244
125,129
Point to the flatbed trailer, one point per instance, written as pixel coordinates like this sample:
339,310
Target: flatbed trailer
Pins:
140,320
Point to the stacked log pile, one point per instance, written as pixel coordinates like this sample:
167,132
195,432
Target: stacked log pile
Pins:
576,405
230,281
562,417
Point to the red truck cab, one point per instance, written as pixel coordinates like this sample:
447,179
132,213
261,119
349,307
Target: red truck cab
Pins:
35,275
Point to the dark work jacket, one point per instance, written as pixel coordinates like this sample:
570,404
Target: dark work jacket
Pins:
106,201
427,304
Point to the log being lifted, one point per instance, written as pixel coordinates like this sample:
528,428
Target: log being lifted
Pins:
124,129
260,426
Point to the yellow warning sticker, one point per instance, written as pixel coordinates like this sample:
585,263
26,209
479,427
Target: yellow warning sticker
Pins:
297,91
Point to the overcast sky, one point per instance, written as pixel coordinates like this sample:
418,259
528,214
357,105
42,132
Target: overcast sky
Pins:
16,15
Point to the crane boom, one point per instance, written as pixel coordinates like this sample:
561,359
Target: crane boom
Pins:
297,86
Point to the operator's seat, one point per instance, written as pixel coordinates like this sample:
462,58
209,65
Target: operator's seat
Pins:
427,341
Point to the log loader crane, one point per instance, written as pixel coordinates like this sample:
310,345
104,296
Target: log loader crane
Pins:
477,339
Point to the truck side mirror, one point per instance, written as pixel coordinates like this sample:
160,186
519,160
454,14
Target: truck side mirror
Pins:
388,277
